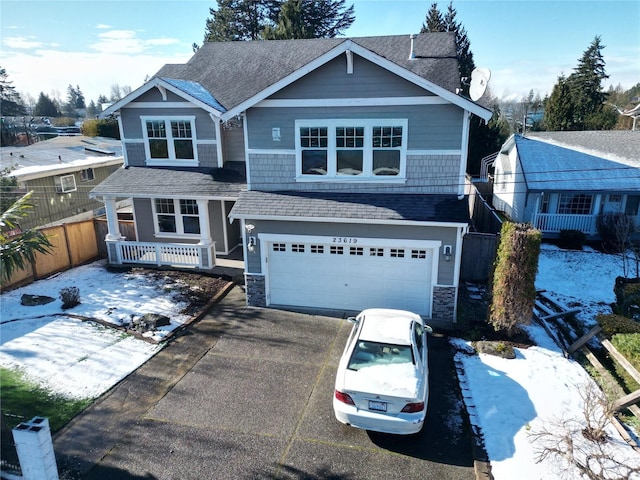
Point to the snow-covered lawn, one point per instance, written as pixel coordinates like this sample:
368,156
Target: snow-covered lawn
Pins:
75,358
539,389
511,398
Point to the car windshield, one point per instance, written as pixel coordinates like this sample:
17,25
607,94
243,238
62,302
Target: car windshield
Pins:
367,354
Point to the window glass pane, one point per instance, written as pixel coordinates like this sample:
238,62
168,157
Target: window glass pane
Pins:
387,137
181,129
188,207
191,224
167,223
156,129
165,205
349,162
633,201
158,148
349,137
579,204
184,149
386,162
314,162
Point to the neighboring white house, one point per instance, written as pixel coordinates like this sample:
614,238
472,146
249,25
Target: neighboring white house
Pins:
61,171
563,180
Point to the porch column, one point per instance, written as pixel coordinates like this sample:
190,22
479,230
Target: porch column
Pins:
205,226
112,219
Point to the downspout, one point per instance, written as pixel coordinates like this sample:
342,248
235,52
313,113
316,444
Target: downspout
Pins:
245,130
466,116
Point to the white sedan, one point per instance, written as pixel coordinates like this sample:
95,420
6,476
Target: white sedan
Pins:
383,375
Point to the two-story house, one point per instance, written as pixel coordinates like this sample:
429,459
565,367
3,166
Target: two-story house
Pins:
337,164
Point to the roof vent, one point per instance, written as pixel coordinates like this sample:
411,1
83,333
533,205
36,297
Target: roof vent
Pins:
412,54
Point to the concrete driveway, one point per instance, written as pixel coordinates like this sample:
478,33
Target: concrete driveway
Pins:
246,394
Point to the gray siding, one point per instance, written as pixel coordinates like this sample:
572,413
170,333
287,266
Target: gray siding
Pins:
446,235
51,206
143,216
132,126
233,144
135,154
425,174
207,155
431,127
367,80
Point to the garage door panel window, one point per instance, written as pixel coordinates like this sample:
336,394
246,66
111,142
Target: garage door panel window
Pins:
317,248
396,253
279,247
359,251
420,254
338,149
336,250
176,216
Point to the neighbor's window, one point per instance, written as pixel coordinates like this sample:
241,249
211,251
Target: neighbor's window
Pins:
177,216
169,139
363,149
86,175
575,204
65,183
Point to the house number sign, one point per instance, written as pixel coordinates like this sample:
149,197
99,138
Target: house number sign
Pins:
345,240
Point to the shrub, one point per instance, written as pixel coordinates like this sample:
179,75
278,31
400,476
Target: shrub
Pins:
615,229
514,276
612,324
572,239
107,127
627,292
628,344
70,297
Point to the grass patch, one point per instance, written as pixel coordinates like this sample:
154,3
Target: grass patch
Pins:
24,399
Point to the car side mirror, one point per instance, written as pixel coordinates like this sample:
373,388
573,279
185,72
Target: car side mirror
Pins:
352,320
428,329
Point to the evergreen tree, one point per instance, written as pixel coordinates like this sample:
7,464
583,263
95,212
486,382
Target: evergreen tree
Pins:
45,107
586,84
436,22
559,107
10,101
277,19
92,110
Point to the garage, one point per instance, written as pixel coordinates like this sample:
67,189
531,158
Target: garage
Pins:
349,273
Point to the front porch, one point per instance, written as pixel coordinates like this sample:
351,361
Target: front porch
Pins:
551,223
174,255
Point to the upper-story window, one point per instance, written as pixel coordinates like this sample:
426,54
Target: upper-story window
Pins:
170,140
351,149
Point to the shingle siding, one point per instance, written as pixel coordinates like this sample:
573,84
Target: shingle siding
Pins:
136,156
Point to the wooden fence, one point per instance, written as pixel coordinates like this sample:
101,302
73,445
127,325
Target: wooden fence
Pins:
73,244
478,254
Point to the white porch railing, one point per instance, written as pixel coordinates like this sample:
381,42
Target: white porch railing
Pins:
554,223
162,254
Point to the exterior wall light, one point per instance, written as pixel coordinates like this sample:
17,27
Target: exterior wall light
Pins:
448,251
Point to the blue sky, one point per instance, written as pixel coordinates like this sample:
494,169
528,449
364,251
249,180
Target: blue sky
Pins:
527,44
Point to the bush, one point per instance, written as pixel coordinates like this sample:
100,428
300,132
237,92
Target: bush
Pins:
107,127
615,229
514,291
613,324
627,292
628,344
70,297
572,239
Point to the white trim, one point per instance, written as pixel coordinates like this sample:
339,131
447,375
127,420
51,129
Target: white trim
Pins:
162,105
133,140
464,146
216,123
272,151
352,102
59,181
364,221
121,131
224,229
246,149
372,57
349,55
154,82
359,241
452,153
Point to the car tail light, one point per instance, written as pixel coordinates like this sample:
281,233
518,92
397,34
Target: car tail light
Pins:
413,407
344,398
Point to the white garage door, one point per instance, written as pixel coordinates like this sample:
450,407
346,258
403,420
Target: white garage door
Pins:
353,275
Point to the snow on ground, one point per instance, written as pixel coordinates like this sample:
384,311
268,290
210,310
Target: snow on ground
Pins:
72,357
510,398
513,399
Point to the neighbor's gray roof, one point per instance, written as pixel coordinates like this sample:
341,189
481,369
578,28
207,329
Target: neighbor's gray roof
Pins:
548,167
617,145
236,71
369,206
154,182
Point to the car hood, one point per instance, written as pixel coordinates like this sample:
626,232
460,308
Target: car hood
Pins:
396,380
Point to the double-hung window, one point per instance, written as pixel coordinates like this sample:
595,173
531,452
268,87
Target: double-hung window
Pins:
575,204
170,140
351,149
176,216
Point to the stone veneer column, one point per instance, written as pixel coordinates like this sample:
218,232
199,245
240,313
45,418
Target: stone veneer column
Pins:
444,299
255,286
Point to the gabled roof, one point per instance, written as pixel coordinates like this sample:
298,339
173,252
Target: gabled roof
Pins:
240,74
351,207
549,167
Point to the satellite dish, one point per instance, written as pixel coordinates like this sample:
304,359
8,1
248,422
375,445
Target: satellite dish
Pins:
479,82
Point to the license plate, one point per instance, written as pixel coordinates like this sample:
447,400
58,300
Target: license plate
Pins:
377,406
